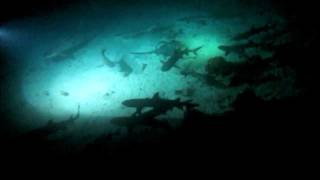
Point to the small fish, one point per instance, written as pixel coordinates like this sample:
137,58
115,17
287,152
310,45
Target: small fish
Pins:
46,93
109,93
64,93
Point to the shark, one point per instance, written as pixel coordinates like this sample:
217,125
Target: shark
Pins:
62,125
124,67
68,52
237,48
151,30
164,48
203,77
201,20
52,127
147,118
157,103
176,56
252,32
106,60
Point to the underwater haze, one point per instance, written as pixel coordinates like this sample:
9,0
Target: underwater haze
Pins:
93,72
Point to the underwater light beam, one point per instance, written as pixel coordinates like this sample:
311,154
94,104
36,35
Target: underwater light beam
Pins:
1,32
7,37
4,34
4,37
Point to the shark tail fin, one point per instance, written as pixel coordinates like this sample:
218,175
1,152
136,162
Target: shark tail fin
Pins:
156,96
195,50
189,105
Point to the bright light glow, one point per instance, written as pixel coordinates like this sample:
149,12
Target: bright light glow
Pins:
99,91
56,89
94,90
6,33
1,32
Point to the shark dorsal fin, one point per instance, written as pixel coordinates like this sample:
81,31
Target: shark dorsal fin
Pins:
50,122
156,96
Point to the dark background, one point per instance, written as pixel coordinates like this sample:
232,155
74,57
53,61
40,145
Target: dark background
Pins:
16,9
